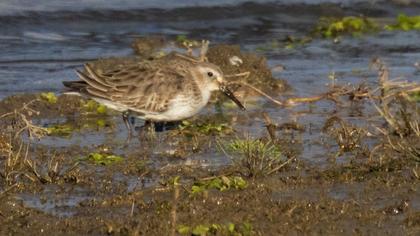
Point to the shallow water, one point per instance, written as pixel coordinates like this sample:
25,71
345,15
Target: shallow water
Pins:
43,43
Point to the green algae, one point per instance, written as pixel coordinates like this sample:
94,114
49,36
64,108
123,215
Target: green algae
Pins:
331,27
49,97
204,128
102,159
63,130
92,106
222,183
405,23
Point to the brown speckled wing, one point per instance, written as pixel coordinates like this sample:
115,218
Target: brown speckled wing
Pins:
142,87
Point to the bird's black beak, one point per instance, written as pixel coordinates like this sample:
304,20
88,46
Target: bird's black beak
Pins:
230,95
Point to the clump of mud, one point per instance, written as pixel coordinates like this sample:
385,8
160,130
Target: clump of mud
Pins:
105,65
146,47
250,67
232,61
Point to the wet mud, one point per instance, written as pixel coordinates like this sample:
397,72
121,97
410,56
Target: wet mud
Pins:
57,183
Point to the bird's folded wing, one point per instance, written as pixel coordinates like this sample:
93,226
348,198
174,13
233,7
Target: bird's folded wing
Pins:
143,88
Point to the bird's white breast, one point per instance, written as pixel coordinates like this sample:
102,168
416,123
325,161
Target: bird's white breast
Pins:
182,107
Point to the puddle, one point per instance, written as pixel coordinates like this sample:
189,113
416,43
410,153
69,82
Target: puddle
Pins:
59,204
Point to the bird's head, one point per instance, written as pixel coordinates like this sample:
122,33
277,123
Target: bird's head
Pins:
213,78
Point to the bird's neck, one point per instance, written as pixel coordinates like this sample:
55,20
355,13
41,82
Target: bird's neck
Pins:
204,85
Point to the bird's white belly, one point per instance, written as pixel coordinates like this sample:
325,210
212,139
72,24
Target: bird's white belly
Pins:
181,107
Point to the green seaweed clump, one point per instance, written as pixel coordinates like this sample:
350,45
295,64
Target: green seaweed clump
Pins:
102,159
93,107
244,229
101,123
183,41
222,183
63,130
210,128
50,97
356,26
181,38
405,23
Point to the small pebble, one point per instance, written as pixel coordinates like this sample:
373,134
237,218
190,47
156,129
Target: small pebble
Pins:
278,68
235,61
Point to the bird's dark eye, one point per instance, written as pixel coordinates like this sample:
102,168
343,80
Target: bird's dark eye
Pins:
210,74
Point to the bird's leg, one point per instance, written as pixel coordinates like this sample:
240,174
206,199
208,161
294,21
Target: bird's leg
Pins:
170,125
125,116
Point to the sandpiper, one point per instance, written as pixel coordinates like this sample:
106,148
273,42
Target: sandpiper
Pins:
173,88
